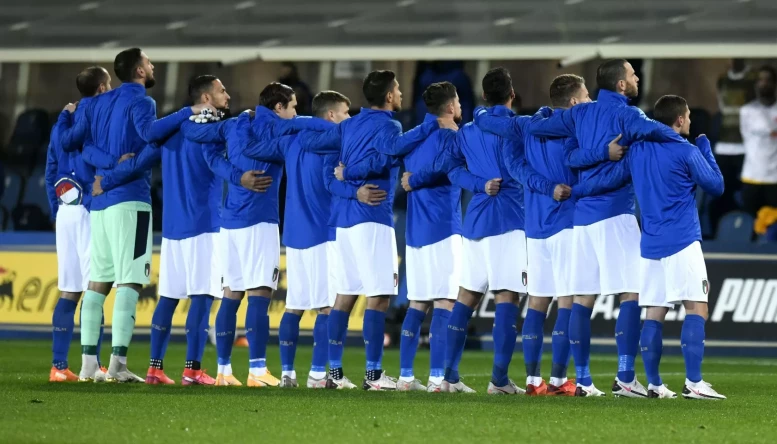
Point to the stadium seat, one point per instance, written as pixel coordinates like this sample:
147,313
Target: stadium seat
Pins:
35,191
29,139
13,190
735,226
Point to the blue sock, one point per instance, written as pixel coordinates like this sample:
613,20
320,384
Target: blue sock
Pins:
204,327
257,330
62,323
692,343
288,336
337,329
561,344
627,339
532,335
437,333
198,309
374,328
580,342
408,343
226,323
652,345
100,339
504,333
455,339
320,344
161,323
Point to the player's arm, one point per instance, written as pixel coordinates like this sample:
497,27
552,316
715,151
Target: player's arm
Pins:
392,142
322,142
554,123
72,130
703,168
273,150
214,132
98,158
151,129
520,170
508,127
285,127
636,126
219,165
613,177
51,177
580,158
132,168
371,166
336,187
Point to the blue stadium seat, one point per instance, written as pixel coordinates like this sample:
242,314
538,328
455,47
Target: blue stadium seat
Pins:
35,191
13,190
735,226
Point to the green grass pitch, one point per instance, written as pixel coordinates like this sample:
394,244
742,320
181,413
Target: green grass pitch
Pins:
33,410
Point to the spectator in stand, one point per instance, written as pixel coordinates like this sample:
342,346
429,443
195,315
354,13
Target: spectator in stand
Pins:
735,89
290,76
758,125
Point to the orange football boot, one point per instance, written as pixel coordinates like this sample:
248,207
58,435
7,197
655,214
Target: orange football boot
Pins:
196,377
566,389
537,390
62,375
157,376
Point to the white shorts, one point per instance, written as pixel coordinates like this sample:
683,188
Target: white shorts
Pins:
367,260
605,256
251,256
73,236
307,274
190,266
433,270
550,265
495,263
671,280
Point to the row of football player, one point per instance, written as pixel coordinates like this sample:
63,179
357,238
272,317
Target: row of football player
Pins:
344,242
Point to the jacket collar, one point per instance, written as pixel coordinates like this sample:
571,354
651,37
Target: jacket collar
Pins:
501,110
376,111
262,112
133,88
429,117
607,96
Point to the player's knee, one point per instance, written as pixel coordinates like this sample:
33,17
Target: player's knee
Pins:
469,298
539,304
295,312
325,311
657,313
696,308
378,303
102,288
345,302
586,301
136,287
565,302
264,292
626,297
420,306
71,296
445,304
506,296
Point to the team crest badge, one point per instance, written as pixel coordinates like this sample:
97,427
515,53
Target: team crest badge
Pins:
525,278
68,191
396,280
705,286
275,274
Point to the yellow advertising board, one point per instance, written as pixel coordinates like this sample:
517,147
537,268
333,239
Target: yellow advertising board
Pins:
28,294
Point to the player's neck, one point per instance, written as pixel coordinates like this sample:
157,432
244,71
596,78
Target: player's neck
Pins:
386,107
447,118
141,82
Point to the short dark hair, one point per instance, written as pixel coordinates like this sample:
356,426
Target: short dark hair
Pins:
770,69
325,100
89,80
376,85
126,62
669,108
610,73
199,85
438,95
497,86
563,88
275,93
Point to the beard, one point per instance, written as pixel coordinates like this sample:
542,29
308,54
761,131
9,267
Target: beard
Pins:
632,90
766,92
150,82
457,119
